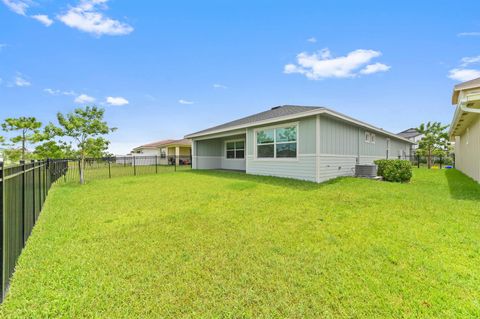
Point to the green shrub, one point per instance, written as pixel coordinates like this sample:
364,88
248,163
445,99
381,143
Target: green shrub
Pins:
394,170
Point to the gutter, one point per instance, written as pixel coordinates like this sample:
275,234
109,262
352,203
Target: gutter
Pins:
462,107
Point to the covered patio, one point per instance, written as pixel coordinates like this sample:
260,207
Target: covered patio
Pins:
227,152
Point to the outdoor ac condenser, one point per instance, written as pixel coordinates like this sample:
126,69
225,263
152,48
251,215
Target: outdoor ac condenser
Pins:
366,170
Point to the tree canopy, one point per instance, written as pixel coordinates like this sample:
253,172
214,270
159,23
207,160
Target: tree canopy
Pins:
434,142
29,131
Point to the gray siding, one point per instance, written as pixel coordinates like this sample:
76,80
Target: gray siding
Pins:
304,167
332,153
343,144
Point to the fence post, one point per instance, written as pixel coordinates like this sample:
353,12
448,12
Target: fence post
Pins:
109,169
134,166
175,161
418,161
453,157
33,189
441,160
156,165
2,210
24,205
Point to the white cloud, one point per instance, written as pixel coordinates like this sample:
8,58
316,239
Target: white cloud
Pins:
17,6
117,101
463,74
59,92
83,98
470,60
52,91
182,101
322,64
469,34
44,19
312,40
219,86
86,16
374,68
21,81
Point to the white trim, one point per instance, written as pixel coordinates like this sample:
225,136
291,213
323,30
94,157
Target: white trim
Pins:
200,156
274,127
235,150
317,148
297,116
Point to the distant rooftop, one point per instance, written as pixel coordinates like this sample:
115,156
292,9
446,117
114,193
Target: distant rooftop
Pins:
163,143
409,133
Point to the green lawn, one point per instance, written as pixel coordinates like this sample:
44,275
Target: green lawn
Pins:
227,245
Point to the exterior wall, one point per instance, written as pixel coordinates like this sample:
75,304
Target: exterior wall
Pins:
303,167
211,154
467,156
342,145
327,148
148,152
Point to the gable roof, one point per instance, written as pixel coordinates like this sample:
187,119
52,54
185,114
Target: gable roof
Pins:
283,113
472,84
409,133
158,144
274,112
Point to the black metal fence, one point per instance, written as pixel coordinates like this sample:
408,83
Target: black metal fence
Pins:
109,167
436,161
23,190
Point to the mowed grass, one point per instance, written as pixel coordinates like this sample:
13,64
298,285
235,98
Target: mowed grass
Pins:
228,245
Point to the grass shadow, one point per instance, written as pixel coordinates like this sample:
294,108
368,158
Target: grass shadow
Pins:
268,180
462,186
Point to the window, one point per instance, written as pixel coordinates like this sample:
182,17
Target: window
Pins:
163,153
367,137
279,142
235,149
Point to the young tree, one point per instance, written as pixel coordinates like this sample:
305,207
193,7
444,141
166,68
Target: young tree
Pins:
434,141
97,147
29,131
54,150
82,125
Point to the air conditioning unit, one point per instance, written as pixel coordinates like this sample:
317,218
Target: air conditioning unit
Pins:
366,170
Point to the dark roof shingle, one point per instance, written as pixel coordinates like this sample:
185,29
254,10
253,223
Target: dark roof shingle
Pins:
274,112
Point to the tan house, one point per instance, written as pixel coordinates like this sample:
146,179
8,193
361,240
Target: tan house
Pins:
167,151
465,127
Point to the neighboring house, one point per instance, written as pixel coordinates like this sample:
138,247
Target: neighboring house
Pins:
465,127
301,142
166,151
412,135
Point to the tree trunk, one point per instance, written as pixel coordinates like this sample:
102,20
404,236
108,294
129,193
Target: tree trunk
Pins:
82,169
429,158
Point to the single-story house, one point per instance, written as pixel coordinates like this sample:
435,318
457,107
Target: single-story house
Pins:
465,127
413,135
301,142
166,151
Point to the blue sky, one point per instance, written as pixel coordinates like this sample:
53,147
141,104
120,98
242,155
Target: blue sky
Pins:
183,66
